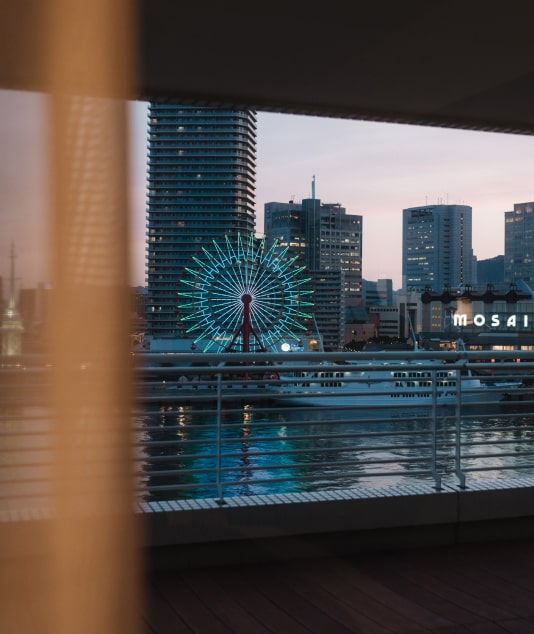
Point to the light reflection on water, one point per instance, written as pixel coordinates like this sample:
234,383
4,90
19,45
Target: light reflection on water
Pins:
268,451
271,451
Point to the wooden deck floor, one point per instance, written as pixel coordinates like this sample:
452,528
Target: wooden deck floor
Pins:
476,588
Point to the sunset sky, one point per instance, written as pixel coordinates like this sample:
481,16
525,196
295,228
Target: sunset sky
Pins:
372,169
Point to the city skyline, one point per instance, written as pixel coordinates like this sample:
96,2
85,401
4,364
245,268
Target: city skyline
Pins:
372,169
401,166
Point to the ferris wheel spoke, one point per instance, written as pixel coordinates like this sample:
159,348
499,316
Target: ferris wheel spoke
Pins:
269,306
268,287
226,317
265,321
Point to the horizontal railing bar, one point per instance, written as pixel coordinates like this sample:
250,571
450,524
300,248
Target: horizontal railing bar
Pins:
307,451
514,454
496,442
293,438
303,478
499,468
281,467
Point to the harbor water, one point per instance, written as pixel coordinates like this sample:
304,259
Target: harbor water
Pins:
261,449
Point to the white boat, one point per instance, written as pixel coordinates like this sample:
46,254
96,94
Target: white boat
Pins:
398,385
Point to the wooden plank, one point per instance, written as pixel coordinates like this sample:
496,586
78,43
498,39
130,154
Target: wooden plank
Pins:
318,610
223,603
351,575
519,626
322,582
436,575
272,616
487,628
159,614
467,568
195,613
399,580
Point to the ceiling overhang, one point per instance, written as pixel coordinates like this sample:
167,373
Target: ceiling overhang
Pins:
463,65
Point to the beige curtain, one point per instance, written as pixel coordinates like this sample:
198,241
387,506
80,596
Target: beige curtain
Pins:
78,570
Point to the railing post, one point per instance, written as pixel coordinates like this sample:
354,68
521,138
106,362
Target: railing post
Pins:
220,501
434,428
458,431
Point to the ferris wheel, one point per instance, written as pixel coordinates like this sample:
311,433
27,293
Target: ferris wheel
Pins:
244,295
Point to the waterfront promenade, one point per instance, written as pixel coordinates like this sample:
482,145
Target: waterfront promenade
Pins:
480,587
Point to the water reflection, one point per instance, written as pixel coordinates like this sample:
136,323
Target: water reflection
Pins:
245,475
265,450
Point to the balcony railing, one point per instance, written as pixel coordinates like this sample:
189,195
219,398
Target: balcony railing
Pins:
216,426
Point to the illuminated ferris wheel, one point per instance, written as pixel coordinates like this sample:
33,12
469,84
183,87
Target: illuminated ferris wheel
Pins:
245,296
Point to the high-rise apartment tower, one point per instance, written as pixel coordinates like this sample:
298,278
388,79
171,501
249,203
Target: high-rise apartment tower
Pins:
201,186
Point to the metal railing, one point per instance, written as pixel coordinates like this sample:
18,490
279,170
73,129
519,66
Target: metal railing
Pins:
246,429
208,425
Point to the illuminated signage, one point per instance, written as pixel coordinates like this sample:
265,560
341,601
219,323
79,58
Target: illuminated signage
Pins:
492,321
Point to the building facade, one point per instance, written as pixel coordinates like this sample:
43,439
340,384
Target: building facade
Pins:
201,186
328,241
329,304
519,243
388,320
378,293
490,271
437,249
334,243
284,222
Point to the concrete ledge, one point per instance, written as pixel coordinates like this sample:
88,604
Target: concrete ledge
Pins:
284,515
282,548
283,527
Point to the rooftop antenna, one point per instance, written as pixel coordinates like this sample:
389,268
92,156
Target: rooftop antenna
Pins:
313,187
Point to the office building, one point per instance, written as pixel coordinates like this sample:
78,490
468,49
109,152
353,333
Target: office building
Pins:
284,222
329,242
519,243
201,186
330,308
491,270
388,320
379,293
323,234
437,247
410,312
334,243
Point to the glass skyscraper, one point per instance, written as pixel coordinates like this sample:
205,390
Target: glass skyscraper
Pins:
519,243
437,248
201,186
